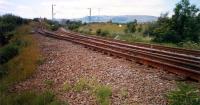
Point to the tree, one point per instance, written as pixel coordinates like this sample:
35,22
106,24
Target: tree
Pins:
139,28
131,26
183,26
185,21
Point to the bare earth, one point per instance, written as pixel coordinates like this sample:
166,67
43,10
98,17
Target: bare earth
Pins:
68,62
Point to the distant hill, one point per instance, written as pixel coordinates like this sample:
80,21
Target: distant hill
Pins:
119,19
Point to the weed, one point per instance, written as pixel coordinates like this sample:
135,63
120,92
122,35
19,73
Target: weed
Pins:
124,92
48,82
66,86
185,95
103,94
81,85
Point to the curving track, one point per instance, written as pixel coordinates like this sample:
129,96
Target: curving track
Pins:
184,63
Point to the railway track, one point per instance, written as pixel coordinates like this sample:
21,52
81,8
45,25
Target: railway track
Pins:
151,46
182,64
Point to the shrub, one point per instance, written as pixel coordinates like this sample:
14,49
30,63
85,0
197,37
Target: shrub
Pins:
102,33
103,94
184,95
24,64
98,31
8,52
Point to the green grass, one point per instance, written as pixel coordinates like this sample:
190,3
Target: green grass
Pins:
103,94
49,83
24,64
81,85
20,68
30,98
185,94
66,87
112,28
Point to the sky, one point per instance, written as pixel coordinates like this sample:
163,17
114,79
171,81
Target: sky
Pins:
79,8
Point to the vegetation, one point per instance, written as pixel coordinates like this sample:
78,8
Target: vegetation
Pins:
30,98
180,30
110,27
8,23
131,27
19,55
99,32
103,94
185,95
73,25
182,27
81,85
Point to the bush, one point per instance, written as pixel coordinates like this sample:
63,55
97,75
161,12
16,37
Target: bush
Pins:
98,31
8,52
103,94
184,95
102,33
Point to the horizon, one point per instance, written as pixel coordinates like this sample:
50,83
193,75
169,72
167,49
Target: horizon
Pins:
72,9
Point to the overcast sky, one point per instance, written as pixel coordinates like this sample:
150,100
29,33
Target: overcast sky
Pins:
78,8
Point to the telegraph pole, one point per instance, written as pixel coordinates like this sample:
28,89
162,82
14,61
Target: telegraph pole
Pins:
53,11
90,12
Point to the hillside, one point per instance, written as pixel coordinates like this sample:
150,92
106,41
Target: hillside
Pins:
120,19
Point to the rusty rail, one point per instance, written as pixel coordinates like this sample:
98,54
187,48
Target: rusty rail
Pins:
186,67
152,46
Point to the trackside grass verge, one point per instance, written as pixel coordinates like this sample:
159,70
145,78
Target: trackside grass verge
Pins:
185,94
20,67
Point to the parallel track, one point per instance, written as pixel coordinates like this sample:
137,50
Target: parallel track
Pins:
185,65
152,46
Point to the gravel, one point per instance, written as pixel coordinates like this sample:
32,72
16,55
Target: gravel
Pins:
68,62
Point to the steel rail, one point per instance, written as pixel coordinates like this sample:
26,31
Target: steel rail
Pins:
181,57
155,60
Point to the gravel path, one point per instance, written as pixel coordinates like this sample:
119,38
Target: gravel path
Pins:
68,62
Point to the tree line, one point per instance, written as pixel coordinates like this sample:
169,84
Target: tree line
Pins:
182,26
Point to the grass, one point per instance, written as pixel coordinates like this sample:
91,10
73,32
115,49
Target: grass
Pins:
49,83
24,64
66,86
116,32
112,28
103,94
185,94
30,98
20,68
81,85
136,37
